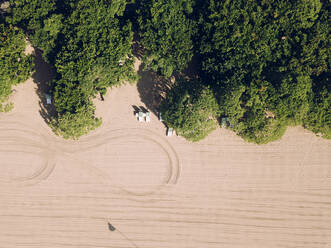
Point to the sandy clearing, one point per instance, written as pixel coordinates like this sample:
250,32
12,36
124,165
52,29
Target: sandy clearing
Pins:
158,192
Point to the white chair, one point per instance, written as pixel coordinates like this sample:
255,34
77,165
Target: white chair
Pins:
148,118
160,117
169,131
48,99
140,116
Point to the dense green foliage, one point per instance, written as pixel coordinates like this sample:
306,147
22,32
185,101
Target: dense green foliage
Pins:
318,119
15,66
166,33
95,42
191,109
39,20
266,63
74,125
263,57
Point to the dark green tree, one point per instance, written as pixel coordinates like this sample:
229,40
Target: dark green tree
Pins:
262,58
318,119
166,31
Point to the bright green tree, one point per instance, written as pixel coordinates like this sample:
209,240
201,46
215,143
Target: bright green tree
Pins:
191,109
15,66
73,125
40,21
96,55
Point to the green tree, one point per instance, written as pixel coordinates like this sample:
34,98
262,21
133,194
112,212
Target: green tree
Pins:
98,45
75,110
96,55
264,57
39,20
318,118
191,109
15,66
73,125
166,31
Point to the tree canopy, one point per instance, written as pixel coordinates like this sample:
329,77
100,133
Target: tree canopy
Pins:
39,20
267,55
191,109
90,46
264,65
96,54
166,31
15,66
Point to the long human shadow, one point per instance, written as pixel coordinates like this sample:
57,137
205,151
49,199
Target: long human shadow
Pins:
42,76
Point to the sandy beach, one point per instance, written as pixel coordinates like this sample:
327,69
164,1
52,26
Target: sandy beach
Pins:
157,191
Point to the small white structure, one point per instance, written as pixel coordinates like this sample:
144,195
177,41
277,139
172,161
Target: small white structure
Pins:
148,118
48,99
140,115
169,131
224,121
160,117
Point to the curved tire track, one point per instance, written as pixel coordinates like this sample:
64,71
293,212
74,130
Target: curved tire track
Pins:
30,143
34,143
97,140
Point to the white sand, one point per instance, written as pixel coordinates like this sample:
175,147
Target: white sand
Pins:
158,191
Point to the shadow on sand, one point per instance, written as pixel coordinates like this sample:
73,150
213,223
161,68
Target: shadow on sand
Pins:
43,74
152,88
137,49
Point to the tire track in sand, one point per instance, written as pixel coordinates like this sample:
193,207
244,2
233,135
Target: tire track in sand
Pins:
19,142
109,136
18,148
